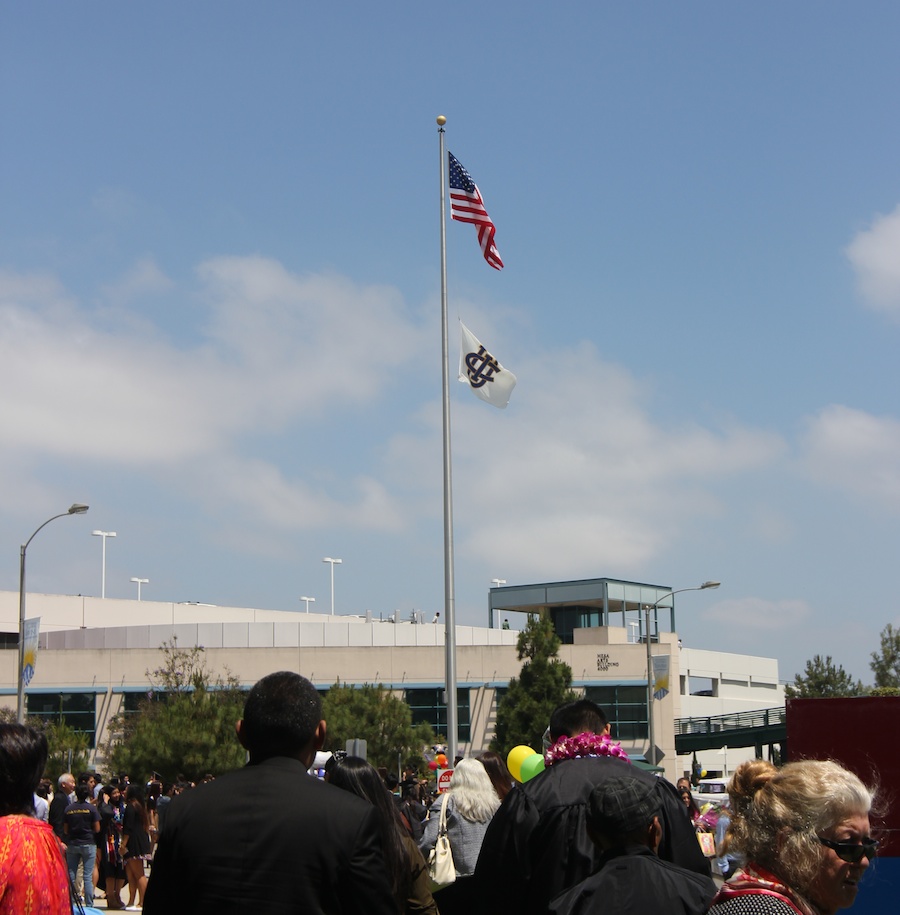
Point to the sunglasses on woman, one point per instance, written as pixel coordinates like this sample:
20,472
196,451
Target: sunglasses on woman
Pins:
852,852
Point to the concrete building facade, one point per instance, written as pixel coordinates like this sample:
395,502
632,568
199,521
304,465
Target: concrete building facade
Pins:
94,656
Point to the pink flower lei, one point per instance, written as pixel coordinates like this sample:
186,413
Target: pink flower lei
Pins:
586,744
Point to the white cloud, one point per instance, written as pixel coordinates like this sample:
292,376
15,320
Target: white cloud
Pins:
256,489
754,613
875,255
576,474
280,347
855,452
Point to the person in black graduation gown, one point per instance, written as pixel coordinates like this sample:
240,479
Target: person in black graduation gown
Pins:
537,844
623,822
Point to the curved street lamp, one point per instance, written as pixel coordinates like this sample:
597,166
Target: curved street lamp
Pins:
76,509
651,750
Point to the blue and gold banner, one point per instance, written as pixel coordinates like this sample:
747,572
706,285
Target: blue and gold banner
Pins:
29,659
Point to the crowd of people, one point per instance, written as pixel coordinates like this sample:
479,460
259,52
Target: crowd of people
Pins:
591,834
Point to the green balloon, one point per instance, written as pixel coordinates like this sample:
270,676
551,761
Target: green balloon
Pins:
532,766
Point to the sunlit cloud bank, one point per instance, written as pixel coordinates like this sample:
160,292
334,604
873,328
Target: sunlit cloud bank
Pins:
277,348
579,473
875,255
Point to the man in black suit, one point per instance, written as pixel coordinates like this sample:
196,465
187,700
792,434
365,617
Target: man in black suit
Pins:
269,837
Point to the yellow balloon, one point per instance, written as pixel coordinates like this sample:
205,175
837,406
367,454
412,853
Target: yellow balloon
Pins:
515,758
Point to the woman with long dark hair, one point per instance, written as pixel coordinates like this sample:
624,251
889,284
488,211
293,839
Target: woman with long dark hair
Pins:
33,874
135,846
405,865
112,868
495,766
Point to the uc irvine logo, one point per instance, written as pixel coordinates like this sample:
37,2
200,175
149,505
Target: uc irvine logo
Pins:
480,367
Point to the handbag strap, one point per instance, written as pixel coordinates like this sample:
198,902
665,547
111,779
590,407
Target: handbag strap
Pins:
442,824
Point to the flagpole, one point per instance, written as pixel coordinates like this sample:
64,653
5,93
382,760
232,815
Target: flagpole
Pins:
449,598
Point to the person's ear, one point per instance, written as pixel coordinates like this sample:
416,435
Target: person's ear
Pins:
319,737
606,730
654,834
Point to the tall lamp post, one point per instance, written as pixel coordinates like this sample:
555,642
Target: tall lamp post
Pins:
651,751
104,535
139,582
76,509
332,561
308,599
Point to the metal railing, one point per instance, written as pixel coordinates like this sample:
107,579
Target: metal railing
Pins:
708,724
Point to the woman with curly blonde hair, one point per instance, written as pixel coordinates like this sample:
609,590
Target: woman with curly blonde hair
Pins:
804,830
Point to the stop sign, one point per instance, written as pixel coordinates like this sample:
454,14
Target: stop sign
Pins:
443,781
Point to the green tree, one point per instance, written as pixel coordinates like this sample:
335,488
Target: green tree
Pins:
68,749
372,713
186,727
822,679
544,682
885,663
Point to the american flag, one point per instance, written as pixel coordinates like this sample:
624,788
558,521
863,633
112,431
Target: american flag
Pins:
466,205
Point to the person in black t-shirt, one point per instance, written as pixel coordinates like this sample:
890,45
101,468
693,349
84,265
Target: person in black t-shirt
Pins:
80,823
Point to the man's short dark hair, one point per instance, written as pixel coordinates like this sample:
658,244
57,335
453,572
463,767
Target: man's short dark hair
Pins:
23,755
82,791
281,715
577,717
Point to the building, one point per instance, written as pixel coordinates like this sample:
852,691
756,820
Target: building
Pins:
94,655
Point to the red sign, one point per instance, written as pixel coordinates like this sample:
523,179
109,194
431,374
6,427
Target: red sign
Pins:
444,779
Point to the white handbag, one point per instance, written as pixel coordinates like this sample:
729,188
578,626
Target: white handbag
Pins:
440,860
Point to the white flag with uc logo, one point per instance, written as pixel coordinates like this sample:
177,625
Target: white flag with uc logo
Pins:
482,372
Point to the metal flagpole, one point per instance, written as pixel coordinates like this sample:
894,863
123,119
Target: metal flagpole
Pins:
449,599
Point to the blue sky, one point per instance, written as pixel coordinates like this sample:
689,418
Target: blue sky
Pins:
219,286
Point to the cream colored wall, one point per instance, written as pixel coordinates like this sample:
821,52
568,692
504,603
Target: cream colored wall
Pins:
122,637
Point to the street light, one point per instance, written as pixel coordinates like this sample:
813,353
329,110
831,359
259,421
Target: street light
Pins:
496,582
76,509
308,599
104,535
332,561
139,582
651,751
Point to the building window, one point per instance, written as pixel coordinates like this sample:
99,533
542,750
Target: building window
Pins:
567,619
703,686
428,705
626,709
77,710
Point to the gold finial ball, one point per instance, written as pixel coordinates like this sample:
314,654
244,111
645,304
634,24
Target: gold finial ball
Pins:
441,120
